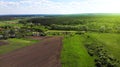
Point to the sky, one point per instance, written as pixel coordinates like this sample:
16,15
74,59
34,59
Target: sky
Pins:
58,6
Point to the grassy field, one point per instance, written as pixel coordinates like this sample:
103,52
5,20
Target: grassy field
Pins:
10,23
16,44
103,33
74,54
60,31
111,41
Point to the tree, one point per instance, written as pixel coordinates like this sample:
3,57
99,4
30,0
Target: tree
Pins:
102,29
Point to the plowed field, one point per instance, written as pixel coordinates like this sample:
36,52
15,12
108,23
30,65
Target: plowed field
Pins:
45,53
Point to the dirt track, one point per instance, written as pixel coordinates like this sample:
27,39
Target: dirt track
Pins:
43,54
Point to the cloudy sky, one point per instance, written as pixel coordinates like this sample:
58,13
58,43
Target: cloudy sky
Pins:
58,6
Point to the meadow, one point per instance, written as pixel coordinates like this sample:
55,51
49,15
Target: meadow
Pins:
89,40
14,44
110,41
74,54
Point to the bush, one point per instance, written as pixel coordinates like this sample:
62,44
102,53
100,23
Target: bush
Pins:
102,58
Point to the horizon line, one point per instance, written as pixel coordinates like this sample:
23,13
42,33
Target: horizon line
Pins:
58,14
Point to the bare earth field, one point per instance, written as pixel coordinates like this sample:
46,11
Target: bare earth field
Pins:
45,53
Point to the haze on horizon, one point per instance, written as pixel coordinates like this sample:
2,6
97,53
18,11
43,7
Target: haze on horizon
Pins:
58,6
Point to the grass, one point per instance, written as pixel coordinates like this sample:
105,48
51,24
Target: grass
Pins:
111,41
11,23
74,54
60,31
16,44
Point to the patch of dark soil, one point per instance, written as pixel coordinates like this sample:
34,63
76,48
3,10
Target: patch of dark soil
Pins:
43,54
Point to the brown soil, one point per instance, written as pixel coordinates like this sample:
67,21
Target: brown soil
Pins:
3,43
39,38
43,54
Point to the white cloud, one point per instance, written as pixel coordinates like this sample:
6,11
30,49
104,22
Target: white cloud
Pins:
52,7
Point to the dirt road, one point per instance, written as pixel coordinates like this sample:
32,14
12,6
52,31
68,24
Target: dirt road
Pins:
43,54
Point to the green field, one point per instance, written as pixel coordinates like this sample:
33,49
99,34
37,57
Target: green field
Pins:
15,44
90,40
74,54
111,41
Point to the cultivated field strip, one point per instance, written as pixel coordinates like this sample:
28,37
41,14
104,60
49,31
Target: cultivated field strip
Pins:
43,54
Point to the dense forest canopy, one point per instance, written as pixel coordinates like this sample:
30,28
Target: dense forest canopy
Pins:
101,23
